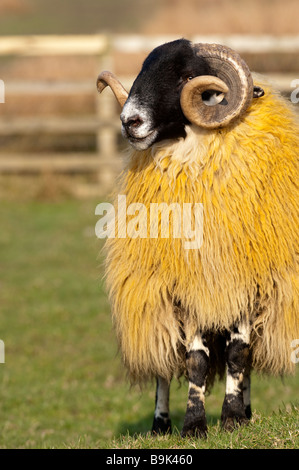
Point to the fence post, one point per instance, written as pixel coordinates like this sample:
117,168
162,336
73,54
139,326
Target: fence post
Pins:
2,91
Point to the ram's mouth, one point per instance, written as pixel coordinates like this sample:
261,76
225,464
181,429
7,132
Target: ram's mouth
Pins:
141,143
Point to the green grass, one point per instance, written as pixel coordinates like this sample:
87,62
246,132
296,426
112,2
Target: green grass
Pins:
279,431
62,384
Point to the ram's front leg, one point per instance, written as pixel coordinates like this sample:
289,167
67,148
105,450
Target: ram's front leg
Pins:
162,423
234,410
197,363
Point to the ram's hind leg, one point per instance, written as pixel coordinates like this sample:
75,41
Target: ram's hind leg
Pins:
162,423
237,358
197,364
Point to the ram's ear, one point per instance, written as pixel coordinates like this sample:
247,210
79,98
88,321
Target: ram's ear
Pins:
258,92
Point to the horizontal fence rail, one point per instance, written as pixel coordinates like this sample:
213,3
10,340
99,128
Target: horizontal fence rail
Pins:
99,43
105,123
53,45
241,43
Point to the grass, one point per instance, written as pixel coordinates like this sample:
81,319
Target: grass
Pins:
279,431
62,384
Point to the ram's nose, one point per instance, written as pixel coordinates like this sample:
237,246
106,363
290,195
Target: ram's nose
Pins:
131,123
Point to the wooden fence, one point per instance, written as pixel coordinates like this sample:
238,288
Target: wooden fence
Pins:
105,124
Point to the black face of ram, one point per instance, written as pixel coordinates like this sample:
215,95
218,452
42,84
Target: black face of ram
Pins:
152,112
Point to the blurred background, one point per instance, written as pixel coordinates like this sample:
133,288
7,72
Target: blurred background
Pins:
62,384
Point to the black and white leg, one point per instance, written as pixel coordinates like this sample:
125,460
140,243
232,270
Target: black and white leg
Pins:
237,358
197,363
162,423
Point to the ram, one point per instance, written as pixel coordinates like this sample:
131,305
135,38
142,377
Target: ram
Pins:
202,130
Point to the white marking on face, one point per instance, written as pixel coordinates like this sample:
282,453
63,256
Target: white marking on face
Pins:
143,135
131,109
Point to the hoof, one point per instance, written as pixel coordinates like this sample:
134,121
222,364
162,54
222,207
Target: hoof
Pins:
248,411
230,423
195,429
161,426
233,413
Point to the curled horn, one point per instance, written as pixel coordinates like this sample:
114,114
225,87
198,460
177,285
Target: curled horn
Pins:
229,76
109,79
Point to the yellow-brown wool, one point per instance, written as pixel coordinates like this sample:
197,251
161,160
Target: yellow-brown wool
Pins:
246,177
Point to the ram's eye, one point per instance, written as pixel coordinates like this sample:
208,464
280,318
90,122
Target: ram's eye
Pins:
186,78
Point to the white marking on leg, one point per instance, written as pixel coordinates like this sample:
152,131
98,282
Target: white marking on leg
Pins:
197,363
198,392
242,333
233,384
197,344
162,400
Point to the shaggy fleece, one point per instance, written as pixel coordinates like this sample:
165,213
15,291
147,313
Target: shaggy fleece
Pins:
246,177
